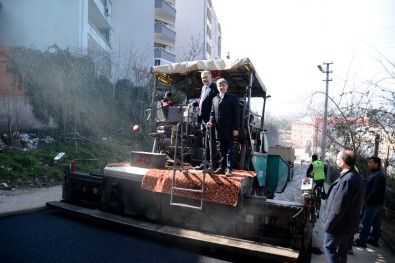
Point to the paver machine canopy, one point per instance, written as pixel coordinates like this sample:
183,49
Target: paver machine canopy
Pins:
185,78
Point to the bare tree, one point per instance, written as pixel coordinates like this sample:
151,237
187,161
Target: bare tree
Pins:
194,50
359,112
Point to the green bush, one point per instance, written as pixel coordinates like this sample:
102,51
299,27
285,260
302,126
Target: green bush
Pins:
36,167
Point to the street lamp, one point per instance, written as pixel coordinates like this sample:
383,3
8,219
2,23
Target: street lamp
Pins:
323,146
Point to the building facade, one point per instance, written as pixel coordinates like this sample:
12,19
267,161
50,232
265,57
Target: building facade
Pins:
305,137
123,37
165,33
112,31
108,30
198,31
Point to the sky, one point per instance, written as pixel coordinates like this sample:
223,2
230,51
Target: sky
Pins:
287,39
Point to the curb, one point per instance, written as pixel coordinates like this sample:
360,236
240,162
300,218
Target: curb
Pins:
23,211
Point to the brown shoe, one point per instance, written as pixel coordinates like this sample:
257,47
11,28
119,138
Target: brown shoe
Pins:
220,171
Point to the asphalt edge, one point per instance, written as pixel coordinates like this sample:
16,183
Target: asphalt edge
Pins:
23,211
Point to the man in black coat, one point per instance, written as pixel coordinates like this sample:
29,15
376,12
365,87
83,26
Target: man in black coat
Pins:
374,202
343,207
209,91
224,118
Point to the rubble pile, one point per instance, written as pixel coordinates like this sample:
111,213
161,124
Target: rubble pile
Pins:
23,140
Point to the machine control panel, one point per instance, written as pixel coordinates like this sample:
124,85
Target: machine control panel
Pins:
307,184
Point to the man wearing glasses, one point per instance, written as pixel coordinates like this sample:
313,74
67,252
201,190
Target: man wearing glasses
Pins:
209,91
343,207
224,118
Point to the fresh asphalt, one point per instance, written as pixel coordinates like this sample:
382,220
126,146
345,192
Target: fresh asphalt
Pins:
55,236
31,233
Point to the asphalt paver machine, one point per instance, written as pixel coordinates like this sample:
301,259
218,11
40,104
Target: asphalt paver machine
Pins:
160,192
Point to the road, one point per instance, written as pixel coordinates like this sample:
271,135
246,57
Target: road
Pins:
292,191
54,236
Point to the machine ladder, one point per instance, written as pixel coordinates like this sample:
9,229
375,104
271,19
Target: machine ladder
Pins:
180,132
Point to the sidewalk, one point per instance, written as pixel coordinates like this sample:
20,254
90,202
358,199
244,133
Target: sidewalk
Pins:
27,200
370,254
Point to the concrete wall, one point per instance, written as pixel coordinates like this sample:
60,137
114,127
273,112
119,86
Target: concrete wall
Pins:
17,112
15,109
8,82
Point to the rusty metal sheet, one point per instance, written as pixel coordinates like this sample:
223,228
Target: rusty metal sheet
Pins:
147,159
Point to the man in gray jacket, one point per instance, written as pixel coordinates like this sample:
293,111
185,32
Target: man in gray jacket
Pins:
343,207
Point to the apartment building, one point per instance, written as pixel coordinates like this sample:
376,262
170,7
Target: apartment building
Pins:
305,137
119,35
105,29
132,40
198,31
165,33
68,24
114,32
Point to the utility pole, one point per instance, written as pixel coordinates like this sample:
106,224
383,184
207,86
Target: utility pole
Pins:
376,145
323,146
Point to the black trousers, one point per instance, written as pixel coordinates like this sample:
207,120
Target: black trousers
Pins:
211,134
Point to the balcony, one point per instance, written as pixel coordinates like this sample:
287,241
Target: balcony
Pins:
104,7
165,12
164,35
209,16
100,19
161,53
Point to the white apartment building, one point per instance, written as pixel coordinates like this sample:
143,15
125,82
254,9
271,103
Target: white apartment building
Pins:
102,28
120,35
165,34
154,32
198,31
132,40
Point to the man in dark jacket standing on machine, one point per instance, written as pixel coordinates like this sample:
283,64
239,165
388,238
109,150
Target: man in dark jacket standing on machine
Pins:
343,207
209,91
225,119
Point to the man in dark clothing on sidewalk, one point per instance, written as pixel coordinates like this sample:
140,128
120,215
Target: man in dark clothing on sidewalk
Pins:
343,207
374,202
